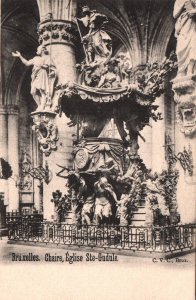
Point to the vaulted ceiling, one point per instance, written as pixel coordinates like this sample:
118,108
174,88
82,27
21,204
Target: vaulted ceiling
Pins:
143,26
18,32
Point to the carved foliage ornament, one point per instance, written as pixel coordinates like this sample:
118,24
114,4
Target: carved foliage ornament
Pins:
185,157
27,173
57,31
46,130
62,205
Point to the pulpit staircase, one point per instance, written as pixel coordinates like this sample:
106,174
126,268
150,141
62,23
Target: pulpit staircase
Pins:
139,215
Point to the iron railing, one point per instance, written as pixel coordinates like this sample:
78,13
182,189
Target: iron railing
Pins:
17,217
136,238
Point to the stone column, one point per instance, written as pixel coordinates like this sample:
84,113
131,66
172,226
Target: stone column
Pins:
4,148
158,139
13,156
57,32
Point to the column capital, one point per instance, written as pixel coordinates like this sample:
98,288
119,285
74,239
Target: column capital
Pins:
57,32
3,110
12,110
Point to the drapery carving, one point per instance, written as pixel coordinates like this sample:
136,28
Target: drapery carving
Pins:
90,154
184,13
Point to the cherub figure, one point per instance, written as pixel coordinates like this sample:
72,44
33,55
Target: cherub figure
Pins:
125,68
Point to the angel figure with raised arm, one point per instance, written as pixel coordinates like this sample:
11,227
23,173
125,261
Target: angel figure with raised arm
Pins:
185,32
42,78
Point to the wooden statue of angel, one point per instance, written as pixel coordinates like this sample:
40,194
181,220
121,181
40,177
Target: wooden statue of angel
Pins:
42,78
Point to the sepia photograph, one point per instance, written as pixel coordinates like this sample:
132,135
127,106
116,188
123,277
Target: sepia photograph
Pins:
98,150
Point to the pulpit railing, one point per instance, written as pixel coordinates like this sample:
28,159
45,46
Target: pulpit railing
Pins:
135,238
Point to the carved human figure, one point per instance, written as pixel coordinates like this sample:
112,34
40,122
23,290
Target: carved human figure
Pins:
88,209
76,187
124,206
161,197
43,77
58,201
97,42
125,67
110,78
184,13
155,199
89,204
105,196
110,169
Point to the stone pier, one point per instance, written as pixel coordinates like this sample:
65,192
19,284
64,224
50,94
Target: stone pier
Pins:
57,32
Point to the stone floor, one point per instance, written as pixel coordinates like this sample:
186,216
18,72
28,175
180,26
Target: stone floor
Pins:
128,278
